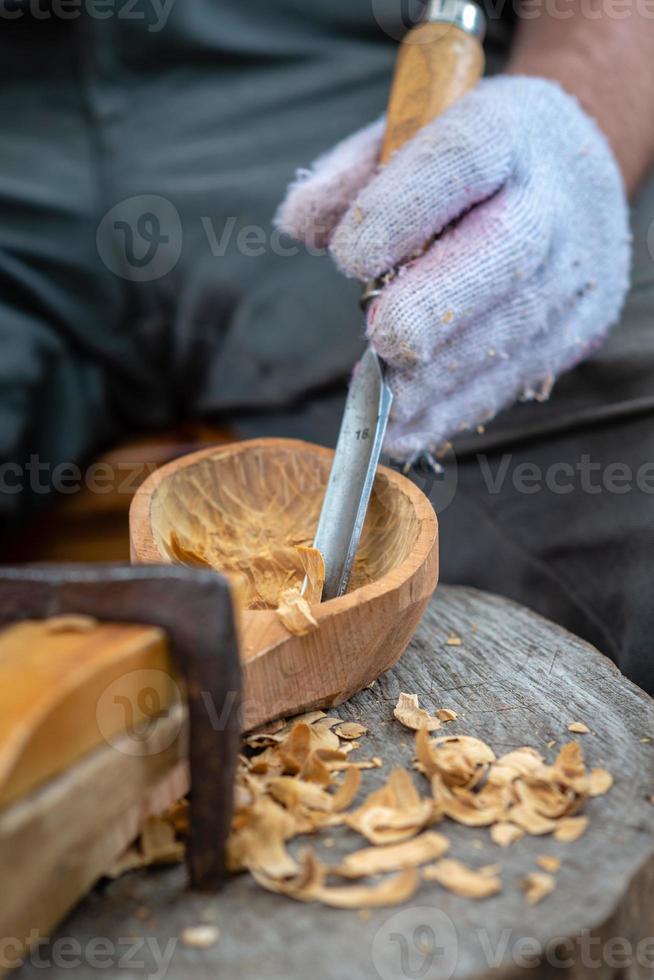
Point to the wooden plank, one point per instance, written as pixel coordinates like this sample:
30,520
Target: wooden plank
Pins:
57,842
515,680
65,693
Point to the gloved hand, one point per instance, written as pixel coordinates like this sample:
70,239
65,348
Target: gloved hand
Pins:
530,268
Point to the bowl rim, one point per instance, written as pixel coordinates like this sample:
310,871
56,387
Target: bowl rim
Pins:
425,542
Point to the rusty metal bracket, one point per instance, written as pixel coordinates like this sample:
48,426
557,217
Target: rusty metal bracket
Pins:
194,607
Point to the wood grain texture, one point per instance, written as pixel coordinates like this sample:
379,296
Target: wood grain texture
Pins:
193,608
515,680
58,694
280,484
58,841
436,65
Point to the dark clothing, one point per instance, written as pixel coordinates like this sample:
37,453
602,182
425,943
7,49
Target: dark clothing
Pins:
140,283
200,121
582,556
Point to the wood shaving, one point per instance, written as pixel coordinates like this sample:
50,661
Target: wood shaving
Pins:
294,602
258,839
471,786
199,937
351,730
531,821
260,577
571,828
347,791
520,762
393,813
505,834
409,713
308,885
69,623
453,640
460,759
294,792
599,782
536,885
158,842
579,728
393,891
295,613
549,863
393,857
157,846
462,880
446,714
297,777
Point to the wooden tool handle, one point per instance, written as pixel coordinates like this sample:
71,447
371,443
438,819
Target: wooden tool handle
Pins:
436,65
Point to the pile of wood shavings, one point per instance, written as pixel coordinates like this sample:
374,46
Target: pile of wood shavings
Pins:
297,778
288,580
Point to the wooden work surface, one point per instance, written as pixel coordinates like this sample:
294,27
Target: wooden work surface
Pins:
515,680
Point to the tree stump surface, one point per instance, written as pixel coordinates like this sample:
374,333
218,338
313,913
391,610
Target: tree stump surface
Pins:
516,679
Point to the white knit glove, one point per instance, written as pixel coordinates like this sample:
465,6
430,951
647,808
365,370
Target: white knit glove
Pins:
530,268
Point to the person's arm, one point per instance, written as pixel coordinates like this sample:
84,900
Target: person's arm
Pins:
607,63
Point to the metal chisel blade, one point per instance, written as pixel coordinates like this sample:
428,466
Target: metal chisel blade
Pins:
353,472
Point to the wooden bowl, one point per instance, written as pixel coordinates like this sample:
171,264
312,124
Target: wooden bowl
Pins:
268,492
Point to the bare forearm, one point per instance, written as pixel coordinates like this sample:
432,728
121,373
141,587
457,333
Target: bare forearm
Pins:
607,63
